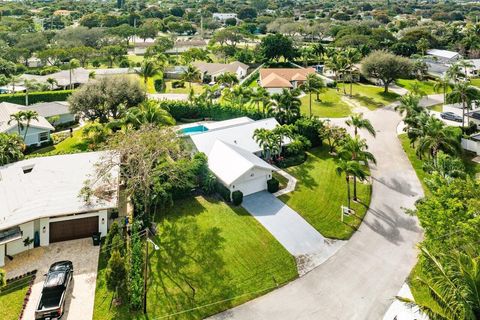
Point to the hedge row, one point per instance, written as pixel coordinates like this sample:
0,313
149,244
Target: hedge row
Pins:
184,110
36,97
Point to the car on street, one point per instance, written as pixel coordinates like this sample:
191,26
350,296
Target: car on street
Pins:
51,304
451,116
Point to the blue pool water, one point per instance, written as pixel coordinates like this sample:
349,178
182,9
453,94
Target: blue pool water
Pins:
193,130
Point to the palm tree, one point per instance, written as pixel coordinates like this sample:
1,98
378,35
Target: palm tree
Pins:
436,137
266,141
351,56
28,116
319,51
350,168
286,106
313,84
228,78
148,69
13,81
464,93
453,283
72,65
18,118
11,147
355,149
238,95
465,64
442,84
52,82
94,133
358,122
191,74
454,72
30,85
260,95
280,133
148,112
210,93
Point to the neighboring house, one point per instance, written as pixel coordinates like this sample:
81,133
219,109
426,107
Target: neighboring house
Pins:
233,154
472,144
216,69
184,45
38,131
443,56
436,69
222,17
275,80
474,117
174,72
62,78
39,200
53,109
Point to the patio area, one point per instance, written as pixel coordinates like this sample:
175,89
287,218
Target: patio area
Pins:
80,298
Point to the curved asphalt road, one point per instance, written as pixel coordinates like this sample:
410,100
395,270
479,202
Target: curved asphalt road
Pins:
361,280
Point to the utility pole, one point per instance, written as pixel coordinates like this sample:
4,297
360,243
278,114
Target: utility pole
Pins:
145,273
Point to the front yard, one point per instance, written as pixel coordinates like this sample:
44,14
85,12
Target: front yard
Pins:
11,299
197,88
370,96
320,192
426,87
76,143
329,106
209,252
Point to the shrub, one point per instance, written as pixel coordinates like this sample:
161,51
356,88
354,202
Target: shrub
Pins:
291,161
114,230
116,274
237,197
273,185
332,84
36,97
124,64
178,84
309,128
208,184
223,191
297,146
159,85
3,278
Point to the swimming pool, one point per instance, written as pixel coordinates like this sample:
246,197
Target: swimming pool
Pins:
193,130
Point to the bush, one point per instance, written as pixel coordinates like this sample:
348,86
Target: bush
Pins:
237,197
178,84
124,64
309,128
36,97
223,191
332,84
3,278
184,110
159,85
208,184
273,185
291,161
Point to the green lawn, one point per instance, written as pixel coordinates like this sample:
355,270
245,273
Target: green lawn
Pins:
475,82
370,96
222,250
135,58
437,107
281,179
197,88
426,86
320,192
73,144
329,106
11,299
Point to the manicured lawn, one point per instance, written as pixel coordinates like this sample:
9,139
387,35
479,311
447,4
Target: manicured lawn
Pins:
370,96
221,251
475,82
437,107
281,179
135,58
11,299
73,144
197,88
471,167
320,192
426,86
329,106
151,83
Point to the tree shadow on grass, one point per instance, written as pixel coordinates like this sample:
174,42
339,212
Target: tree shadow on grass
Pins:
188,270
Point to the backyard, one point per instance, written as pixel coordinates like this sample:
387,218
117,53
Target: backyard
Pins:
370,96
11,299
210,252
76,143
320,192
329,106
197,88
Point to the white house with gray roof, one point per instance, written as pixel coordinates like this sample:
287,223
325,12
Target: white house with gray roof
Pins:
51,109
217,69
38,131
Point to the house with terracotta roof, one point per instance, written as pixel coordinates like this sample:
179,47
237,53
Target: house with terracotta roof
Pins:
275,80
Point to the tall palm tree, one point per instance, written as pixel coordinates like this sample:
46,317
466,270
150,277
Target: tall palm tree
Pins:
351,56
313,84
436,137
350,168
148,112
260,95
319,51
454,72
357,121
52,82
72,65
280,133
210,93
190,75
27,117
356,149
18,119
442,84
266,140
453,283
286,106
148,69
30,85
465,64
464,93
238,96
228,78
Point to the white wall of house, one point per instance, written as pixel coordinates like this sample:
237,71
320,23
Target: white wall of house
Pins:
34,135
65,118
253,181
44,232
471,145
17,246
2,255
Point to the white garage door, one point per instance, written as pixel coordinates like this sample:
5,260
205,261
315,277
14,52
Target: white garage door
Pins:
252,186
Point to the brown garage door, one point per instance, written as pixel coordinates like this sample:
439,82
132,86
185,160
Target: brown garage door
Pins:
73,229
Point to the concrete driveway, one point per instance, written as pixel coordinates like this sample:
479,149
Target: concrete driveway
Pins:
81,296
305,243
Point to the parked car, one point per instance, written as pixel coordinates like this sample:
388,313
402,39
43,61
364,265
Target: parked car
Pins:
52,300
451,116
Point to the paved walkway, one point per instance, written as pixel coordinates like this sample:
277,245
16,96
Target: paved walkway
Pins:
361,279
306,244
292,183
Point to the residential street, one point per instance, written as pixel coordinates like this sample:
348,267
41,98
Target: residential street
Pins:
361,280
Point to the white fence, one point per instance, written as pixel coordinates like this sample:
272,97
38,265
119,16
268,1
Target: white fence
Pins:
471,145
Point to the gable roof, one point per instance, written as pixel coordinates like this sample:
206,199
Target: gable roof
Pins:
229,162
442,53
79,76
278,78
7,109
49,109
215,68
50,189
238,135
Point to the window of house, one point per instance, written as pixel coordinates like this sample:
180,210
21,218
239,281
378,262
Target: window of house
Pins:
43,136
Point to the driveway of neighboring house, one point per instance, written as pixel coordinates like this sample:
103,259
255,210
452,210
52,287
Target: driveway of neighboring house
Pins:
81,295
305,243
